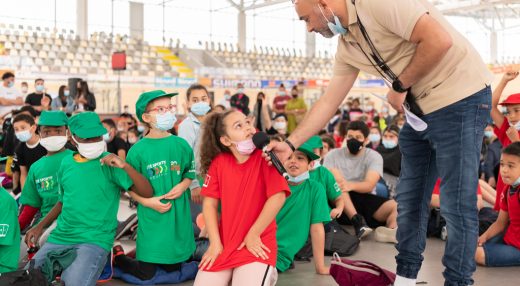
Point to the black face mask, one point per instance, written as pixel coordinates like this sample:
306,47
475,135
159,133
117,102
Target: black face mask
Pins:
354,146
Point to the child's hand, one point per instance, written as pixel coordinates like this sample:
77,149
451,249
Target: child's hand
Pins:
113,160
323,270
33,236
195,196
335,213
482,239
254,244
156,204
512,133
214,250
509,76
174,193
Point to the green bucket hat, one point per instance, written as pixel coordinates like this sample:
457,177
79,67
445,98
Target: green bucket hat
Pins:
86,125
146,97
315,142
53,118
305,148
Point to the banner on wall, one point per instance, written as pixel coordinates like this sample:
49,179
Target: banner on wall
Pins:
232,83
174,82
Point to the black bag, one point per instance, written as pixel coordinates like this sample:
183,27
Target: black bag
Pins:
486,217
339,240
30,277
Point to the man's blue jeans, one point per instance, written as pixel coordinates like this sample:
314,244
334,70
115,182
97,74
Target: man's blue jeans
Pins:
448,149
85,269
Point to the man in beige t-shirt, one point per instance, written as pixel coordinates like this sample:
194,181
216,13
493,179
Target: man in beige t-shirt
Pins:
450,84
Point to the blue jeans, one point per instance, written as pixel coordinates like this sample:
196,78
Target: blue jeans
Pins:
499,254
382,189
450,149
85,269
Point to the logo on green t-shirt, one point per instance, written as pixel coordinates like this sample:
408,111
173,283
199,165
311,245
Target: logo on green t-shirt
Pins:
45,184
156,170
4,228
174,166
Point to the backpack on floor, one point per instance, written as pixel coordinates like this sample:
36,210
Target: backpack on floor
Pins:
435,224
30,277
486,217
338,240
359,273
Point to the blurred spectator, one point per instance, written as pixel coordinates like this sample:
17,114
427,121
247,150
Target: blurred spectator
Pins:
374,137
333,122
24,89
492,156
240,100
383,119
261,112
39,99
225,102
295,110
281,99
64,101
328,145
115,145
132,138
126,122
355,111
389,150
278,125
340,132
85,100
10,97
219,108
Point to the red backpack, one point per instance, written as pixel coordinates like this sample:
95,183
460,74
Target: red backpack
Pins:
348,272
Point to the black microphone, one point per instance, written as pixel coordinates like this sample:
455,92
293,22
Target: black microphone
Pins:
261,141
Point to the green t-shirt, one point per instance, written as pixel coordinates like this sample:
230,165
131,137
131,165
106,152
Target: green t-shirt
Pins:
164,238
325,177
307,205
89,192
9,233
41,186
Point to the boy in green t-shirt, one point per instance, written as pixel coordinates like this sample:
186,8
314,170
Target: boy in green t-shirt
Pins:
40,191
305,210
165,234
342,202
88,201
9,233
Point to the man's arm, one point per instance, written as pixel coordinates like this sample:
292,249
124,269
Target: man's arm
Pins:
366,186
323,109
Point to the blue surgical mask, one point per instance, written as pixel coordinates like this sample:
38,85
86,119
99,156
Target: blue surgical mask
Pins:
488,134
165,122
140,128
336,28
40,88
389,144
106,137
240,90
300,178
374,138
200,108
10,84
66,93
24,136
282,93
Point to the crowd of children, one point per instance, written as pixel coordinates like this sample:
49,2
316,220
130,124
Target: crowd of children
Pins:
72,169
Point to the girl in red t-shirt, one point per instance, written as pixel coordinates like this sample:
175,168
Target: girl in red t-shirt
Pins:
500,244
247,193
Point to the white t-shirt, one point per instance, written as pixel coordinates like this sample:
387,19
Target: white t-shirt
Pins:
9,93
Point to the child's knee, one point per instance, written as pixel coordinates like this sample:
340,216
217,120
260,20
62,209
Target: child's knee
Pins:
480,256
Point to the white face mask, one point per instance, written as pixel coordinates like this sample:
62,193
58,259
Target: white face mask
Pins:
53,143
24,136
91,150
280,125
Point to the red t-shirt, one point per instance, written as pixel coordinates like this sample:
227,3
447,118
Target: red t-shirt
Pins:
437,188
242,190
280,101
511,204
504,139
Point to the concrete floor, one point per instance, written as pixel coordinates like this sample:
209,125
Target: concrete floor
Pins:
370,250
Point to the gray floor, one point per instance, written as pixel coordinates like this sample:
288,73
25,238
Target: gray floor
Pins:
379,253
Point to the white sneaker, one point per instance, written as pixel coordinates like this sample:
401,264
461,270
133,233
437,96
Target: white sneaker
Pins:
385,234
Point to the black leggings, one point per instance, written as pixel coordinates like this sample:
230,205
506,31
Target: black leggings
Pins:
142,270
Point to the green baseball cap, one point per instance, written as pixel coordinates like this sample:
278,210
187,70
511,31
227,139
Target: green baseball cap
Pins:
86,125
306,148
146,97
315,142
53,118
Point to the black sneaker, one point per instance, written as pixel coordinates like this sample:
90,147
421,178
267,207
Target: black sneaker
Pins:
124,227
360,226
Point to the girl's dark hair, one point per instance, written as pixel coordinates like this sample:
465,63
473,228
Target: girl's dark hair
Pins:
61,91
329,140
212,129
84,88
512,149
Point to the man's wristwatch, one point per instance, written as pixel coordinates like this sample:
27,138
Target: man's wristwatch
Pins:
397,86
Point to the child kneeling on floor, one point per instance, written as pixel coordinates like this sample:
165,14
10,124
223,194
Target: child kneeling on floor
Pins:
305,210
500,244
